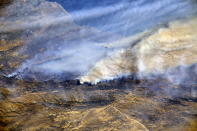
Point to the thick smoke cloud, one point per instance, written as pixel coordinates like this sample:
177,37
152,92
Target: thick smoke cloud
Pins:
76,55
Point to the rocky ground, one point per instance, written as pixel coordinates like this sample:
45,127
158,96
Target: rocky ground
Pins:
37,102
124,104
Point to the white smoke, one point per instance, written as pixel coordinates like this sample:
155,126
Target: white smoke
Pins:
76,57
128,18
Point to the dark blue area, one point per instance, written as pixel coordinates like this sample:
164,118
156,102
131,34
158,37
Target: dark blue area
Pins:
98,21
73,5
125,17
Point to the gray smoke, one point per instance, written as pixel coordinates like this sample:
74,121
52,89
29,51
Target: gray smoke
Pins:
78,49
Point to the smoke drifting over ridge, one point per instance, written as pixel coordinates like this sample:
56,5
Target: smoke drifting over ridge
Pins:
127,17
77,49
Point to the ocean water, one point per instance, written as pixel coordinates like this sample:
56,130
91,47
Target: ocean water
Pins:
127,17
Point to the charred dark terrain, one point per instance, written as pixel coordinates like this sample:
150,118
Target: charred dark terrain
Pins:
69,71
125,103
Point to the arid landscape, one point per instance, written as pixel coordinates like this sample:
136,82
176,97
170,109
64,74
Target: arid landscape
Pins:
57,73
